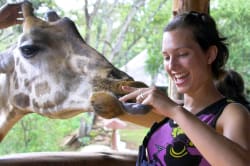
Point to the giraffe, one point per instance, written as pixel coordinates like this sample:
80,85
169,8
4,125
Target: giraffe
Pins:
53,72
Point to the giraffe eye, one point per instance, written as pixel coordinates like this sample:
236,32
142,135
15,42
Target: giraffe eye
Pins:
29,51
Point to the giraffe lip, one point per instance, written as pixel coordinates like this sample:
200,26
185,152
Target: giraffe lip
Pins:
136,109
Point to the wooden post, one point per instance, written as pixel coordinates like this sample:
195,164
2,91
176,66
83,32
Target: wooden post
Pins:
178,7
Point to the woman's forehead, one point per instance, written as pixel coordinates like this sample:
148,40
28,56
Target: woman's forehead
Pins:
179,38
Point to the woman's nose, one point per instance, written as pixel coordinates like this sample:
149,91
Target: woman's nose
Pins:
173,63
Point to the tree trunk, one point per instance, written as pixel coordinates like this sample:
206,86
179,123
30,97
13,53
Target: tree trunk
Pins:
89,18
121,36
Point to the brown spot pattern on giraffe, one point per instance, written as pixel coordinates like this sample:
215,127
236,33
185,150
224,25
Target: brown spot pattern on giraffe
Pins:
27,84
59,97
16,83
35,104
48,104
42,88
22,69
22,100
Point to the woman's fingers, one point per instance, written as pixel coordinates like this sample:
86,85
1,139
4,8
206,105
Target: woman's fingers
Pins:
129,89
133,93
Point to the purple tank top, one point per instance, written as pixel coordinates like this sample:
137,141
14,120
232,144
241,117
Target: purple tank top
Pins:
167,144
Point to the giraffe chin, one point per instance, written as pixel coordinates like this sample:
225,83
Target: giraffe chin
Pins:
106,105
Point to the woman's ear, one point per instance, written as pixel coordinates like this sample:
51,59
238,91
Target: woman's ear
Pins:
212,54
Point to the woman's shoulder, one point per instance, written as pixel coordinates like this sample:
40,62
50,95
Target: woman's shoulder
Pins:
234,114
235,109
234,124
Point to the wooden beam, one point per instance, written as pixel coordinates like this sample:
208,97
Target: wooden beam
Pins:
109,158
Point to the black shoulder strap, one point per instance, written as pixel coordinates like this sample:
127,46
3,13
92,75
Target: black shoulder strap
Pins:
220,109
154,127
142,157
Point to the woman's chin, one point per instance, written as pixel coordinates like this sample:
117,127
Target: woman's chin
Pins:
181,90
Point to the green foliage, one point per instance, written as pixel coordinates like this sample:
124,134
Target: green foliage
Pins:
149,23
233,21
133,135
35,133
154,63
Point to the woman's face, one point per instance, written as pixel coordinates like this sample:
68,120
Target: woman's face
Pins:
184,60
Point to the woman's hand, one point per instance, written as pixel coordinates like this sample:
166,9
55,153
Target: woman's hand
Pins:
154,97
11,14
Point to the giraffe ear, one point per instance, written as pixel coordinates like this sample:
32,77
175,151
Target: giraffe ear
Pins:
212,54
52,16
7,60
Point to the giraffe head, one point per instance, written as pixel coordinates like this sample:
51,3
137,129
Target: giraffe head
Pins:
52,71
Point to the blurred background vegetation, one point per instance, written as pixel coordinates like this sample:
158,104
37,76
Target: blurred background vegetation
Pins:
121,29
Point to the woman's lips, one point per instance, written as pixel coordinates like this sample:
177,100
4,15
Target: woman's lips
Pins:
180,79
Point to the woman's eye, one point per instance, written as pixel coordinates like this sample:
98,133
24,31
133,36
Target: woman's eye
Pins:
166,58
183,54
29,51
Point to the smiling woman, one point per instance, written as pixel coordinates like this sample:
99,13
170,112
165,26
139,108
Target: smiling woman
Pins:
207,129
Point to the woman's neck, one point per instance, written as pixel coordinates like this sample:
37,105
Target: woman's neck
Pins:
196,102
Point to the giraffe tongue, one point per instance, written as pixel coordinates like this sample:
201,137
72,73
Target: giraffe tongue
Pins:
135,108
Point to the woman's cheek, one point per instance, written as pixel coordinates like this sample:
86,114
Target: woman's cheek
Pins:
166,68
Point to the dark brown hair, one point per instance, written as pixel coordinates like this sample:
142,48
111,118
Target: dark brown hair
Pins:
231,84
205,33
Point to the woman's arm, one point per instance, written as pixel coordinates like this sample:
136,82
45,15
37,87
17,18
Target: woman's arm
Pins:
11,14
228,145
231,147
